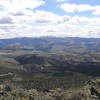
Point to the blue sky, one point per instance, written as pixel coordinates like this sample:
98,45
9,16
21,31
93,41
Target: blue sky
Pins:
35,18
51,5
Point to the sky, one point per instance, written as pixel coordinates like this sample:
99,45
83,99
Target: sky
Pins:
60,18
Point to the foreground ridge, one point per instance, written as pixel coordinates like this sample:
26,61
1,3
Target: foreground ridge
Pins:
91,91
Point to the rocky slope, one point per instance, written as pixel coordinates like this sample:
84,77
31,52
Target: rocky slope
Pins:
91,91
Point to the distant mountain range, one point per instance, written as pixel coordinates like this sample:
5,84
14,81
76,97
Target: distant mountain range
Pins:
52,44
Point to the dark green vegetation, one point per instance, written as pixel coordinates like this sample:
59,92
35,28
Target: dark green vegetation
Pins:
46,64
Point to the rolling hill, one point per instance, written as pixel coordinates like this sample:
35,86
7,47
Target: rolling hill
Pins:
49,63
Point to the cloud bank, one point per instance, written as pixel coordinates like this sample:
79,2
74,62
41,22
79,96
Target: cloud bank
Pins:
22,18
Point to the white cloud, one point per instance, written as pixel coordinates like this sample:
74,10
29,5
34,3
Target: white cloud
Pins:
97,10
61,0
55,26
73,8
20,5
45,17
76,8
6,20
